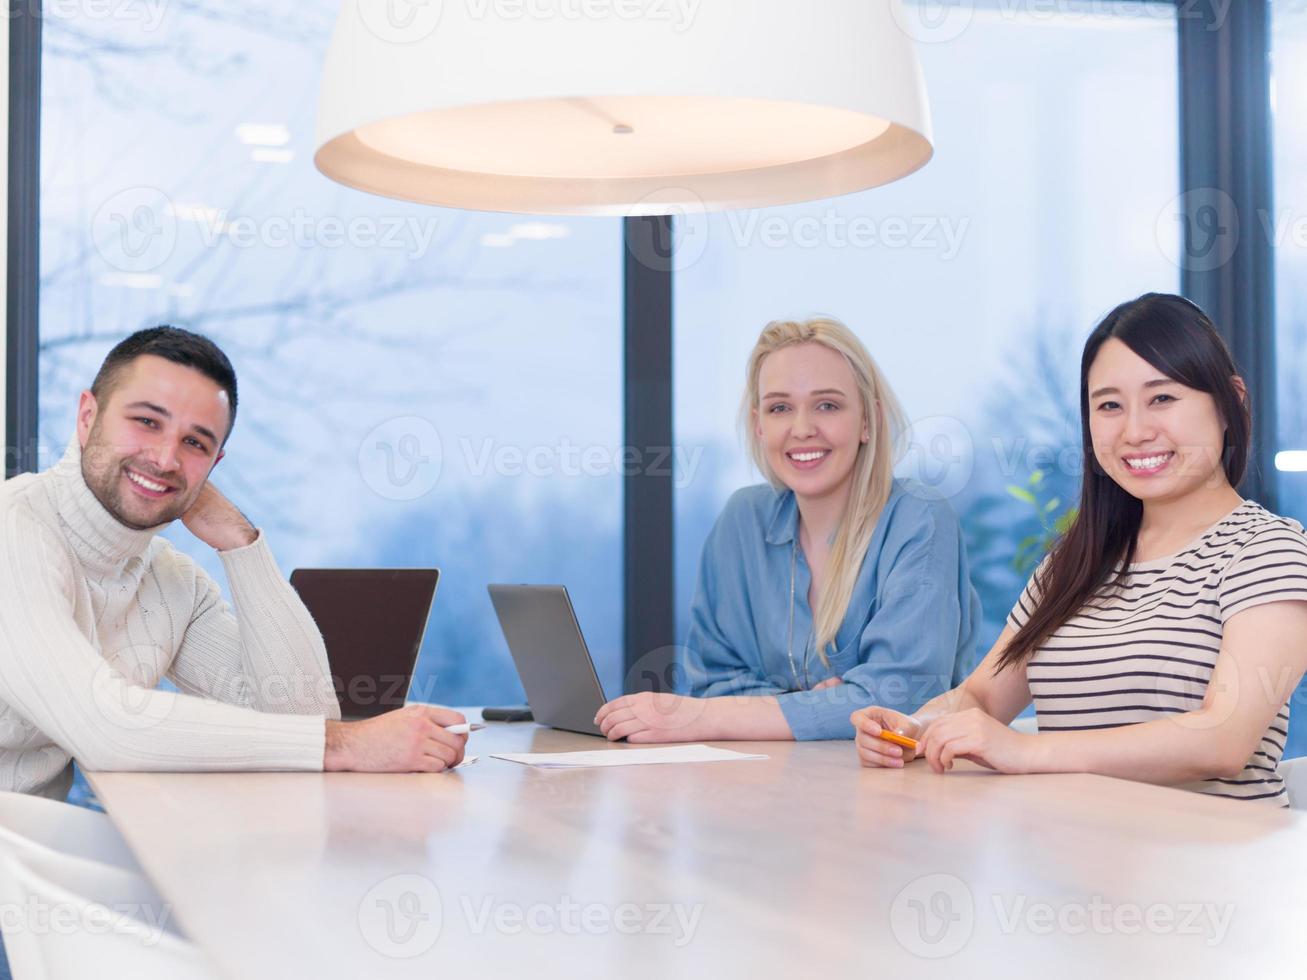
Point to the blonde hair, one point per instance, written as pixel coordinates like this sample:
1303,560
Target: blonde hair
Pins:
873,467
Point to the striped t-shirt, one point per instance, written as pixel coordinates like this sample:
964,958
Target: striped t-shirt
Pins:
1147,649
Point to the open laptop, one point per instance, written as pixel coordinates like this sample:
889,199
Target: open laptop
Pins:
372,621
551,656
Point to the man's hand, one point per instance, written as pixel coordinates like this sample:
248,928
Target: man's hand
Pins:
409,739
215,520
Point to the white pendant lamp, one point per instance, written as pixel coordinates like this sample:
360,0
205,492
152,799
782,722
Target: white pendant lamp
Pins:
620,107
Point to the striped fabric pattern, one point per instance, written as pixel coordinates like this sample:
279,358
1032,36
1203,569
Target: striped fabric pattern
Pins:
1147,649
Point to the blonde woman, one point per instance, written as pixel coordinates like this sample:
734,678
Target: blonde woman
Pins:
831,587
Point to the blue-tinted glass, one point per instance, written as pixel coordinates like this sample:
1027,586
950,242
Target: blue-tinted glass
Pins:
973,282
1288,228
418,386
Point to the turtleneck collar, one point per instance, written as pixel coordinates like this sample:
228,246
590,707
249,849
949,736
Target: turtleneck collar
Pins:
96,536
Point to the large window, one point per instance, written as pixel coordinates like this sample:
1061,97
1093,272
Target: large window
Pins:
973,282
423,386
419,386
1288,230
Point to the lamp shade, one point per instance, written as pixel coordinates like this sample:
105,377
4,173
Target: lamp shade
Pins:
623,107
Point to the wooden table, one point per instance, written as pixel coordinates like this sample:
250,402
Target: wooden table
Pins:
802,865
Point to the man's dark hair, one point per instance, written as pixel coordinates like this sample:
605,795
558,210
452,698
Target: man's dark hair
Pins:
172,344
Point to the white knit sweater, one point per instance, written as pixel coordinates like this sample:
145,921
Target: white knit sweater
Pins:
93,614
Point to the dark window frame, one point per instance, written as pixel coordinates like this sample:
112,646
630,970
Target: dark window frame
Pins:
24,203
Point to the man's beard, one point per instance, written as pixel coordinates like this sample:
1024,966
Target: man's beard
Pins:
104,473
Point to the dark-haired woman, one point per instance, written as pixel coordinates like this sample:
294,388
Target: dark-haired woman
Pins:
1162,637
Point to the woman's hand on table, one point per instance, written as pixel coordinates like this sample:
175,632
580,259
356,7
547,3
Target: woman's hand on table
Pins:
650,717
873,750
978,737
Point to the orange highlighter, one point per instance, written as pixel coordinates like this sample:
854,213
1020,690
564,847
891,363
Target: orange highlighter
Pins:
897,739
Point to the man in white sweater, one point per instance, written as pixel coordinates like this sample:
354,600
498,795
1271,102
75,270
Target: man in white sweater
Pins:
95,608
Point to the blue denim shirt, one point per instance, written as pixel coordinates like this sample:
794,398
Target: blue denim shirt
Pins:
909,633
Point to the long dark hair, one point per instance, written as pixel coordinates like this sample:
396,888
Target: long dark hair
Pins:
1176,337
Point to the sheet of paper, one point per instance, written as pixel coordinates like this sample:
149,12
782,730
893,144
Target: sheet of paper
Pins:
468,760
625,757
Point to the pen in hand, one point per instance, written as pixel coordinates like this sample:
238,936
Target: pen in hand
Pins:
897,739
464,728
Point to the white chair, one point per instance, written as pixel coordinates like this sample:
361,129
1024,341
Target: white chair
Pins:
67,917
35,821
1294,772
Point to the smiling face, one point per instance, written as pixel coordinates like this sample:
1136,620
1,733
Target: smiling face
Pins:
149,444
809,419
1157,439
